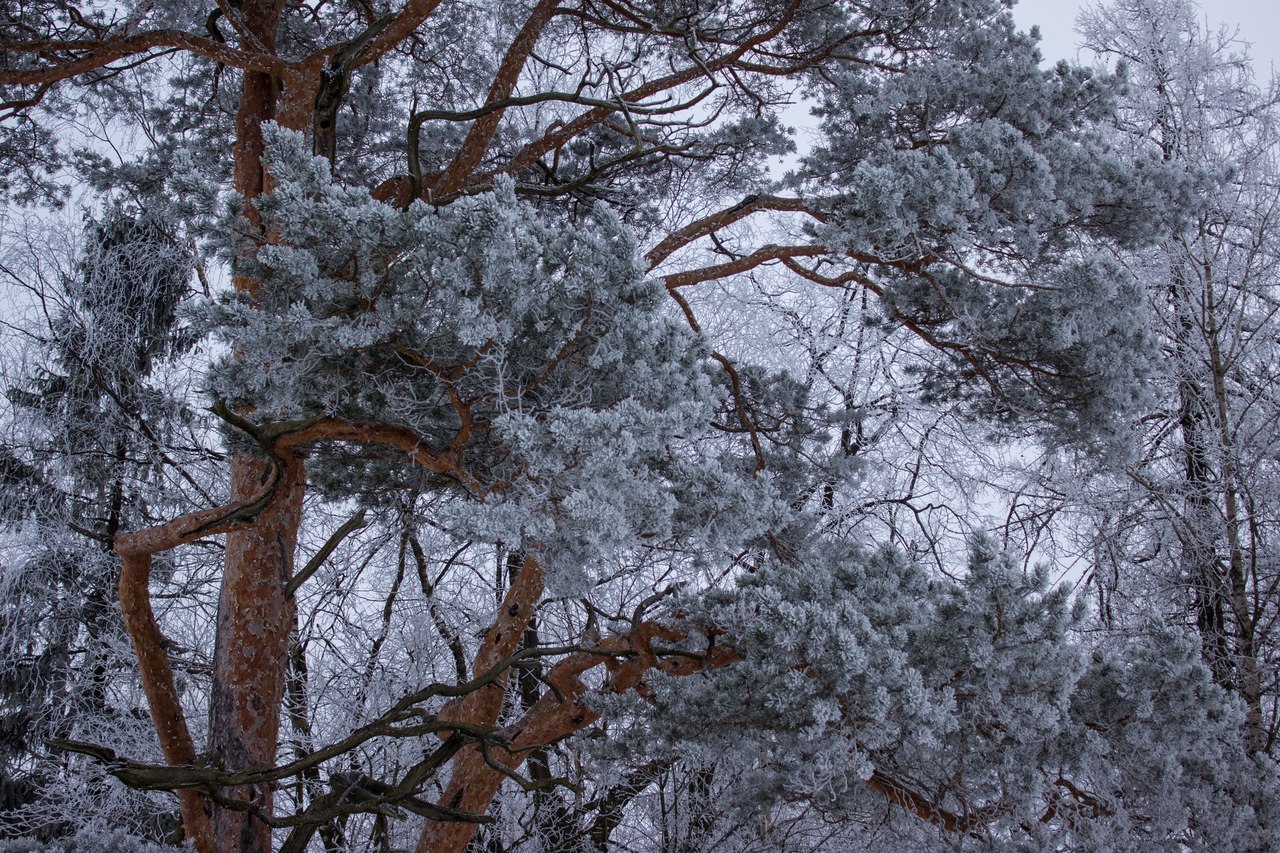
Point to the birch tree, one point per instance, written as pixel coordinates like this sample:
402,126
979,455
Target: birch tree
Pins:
1207,471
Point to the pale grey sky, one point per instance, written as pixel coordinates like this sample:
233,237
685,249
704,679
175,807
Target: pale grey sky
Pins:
1258,20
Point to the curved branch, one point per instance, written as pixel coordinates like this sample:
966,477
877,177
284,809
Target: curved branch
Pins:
708,225
157,682
534,151
763,255
99,54
481,133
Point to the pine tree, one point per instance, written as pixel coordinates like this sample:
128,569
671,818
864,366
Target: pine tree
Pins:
505,286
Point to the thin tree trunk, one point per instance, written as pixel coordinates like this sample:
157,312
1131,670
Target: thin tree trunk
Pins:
310,786
1200,562
1246,647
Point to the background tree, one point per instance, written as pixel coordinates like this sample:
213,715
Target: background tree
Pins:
1197,502
95,448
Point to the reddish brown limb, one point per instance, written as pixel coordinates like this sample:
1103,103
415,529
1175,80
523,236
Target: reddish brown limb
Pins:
763,255
158,685
445,464
470,776
481,707
247,515
840,281
292,435
481,133
412,16
558,713
708,225
199,524
99,54
255,615
156,672
336,429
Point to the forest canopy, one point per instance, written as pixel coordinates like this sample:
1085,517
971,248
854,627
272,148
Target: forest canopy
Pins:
456,424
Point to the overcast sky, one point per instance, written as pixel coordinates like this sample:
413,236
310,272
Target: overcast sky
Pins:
1258,20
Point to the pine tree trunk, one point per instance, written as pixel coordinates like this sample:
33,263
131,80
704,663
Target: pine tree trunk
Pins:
473,784
251,651
255,616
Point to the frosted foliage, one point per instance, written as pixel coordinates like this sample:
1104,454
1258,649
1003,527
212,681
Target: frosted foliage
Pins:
1160,742
977,173
859,671
117,316
580,393
1086,331
859,634
79,459
131,283
89,840
625,424
940,156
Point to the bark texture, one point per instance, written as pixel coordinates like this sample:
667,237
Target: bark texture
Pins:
255,617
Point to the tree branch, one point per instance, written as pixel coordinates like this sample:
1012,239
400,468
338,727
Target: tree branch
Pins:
99,54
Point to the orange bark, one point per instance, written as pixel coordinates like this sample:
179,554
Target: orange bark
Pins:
136,550
255,617
558,713
503,639
161,692
254,614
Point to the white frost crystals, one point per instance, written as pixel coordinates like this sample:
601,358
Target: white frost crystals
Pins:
533,351
973,704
